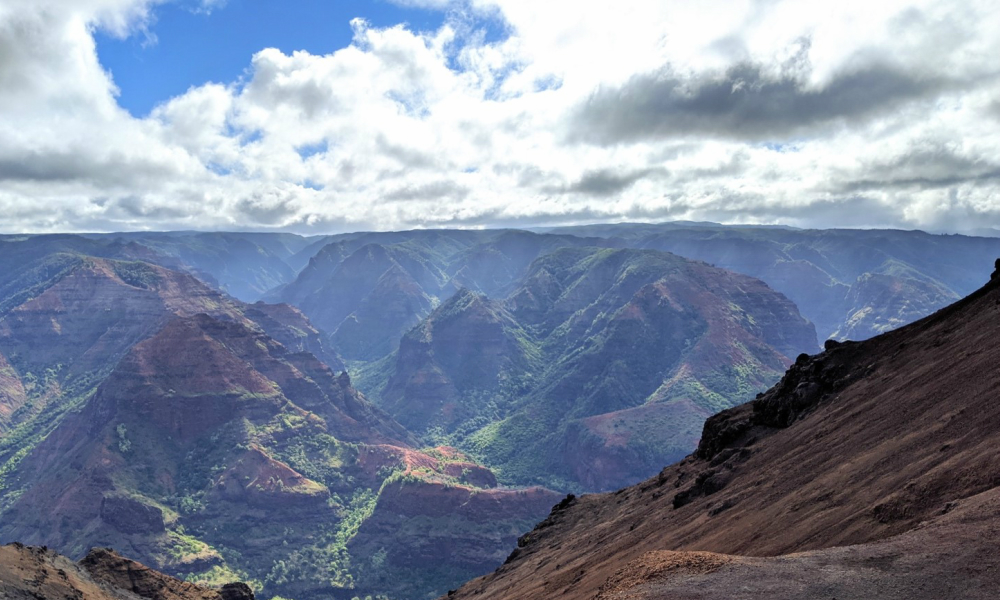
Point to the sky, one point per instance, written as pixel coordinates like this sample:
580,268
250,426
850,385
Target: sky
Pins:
321,116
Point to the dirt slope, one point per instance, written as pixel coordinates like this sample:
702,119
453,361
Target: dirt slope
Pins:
856,445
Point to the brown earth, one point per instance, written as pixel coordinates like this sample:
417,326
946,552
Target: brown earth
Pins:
871,470
28,573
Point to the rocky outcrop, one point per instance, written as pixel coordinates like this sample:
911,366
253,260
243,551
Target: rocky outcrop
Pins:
28,573
111,569
263,482
807,383
129,515
236,591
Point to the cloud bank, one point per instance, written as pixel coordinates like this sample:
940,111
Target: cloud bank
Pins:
853,114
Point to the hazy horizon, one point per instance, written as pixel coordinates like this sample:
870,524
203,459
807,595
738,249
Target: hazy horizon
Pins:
976,232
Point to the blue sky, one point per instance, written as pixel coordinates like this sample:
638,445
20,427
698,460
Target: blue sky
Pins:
186,46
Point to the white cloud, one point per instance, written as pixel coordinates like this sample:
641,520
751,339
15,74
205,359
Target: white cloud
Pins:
854,113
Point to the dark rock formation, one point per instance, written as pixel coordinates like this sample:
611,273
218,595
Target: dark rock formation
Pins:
128,515
114,571
32,573
236,591
807,383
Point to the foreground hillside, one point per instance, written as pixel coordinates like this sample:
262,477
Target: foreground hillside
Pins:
870,470
28,573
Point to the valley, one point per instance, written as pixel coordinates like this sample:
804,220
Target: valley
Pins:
499,300
385,414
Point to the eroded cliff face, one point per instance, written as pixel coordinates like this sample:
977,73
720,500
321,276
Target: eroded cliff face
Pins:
425,529
469,342
394,305
878,452
877,303
288,326
69,332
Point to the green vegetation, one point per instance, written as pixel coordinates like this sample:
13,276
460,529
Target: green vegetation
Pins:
218,576
124,445
137,274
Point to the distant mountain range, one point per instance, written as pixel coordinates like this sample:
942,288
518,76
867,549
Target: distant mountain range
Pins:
851,284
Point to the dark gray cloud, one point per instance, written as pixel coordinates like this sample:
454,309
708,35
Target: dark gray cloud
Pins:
607,182
429,191
268,208
44,168
407,157
744,102
994,109
603,183
920,169
131,208
75,164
